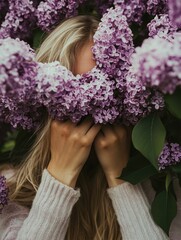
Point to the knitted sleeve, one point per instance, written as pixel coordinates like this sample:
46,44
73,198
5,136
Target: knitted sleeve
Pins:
133,213
48,217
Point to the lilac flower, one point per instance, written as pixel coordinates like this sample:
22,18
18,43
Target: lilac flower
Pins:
17,79
19,20
170,155
157,63
175,12
162,27
113,45
3,193
72,97
139,100
132,9
157,6
50,12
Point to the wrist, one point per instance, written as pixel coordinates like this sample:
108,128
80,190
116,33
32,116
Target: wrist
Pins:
113,180
66,177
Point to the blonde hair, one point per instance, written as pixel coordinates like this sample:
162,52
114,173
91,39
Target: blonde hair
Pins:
93,216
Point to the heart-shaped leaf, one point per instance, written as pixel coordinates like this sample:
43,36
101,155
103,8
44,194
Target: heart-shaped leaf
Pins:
149,136
164,209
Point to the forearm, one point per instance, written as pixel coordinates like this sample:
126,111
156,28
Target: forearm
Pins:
50,212
133,213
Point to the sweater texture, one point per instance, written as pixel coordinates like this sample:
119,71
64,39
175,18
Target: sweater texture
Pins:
49,216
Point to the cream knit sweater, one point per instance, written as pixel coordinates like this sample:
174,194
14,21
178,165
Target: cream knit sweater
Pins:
48,218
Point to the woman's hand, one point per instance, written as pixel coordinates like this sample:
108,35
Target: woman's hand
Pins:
112,146
70,147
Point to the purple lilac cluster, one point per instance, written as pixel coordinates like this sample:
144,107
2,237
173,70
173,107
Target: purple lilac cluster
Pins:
19,20
175,12
162,27
157,63
132,9
170,155
139,100
50,12
157,6
3,193
113,45
68,96
17,78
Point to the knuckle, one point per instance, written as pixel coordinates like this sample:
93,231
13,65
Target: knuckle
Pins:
54,125
103,144
65,131
75,137
114,139
85,142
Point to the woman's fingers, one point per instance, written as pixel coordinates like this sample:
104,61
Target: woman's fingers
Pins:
85,125
93,131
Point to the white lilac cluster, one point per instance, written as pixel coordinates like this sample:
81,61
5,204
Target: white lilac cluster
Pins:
170,155
67,96
50,12
175,12
17,78
19,19
132,9
162,27
157,63
113,45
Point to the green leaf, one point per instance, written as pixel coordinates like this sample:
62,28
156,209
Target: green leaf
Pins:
164,209
176,168
8,146
149,136
179,178
173,103
168,181
38,35
137,170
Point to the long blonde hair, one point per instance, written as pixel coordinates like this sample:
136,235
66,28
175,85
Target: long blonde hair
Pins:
93,216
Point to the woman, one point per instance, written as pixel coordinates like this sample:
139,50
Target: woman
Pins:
67,188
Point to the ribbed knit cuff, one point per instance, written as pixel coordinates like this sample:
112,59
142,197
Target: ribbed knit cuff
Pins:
51,210
52,191
133,213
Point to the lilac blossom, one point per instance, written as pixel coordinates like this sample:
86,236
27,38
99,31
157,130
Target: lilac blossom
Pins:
161,26
18,70
132,9
175,12
113,45
3,193
19,20
50,12
72,97
157,63
157,6
139,100
170,155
